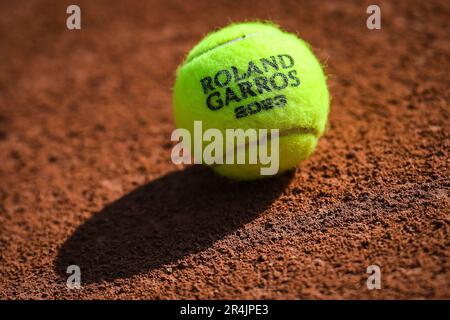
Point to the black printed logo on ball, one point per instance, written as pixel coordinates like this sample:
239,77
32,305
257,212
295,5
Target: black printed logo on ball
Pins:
266,76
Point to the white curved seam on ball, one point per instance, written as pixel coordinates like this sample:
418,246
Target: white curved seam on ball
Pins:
238,39
282,133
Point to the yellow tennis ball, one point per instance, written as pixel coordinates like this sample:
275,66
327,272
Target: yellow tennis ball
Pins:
254,76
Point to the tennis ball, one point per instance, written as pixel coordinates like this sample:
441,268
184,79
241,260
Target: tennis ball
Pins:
253,75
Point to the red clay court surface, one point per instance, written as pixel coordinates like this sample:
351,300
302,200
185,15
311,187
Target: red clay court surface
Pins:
86,176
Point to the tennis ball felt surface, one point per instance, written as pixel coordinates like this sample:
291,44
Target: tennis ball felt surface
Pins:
254,75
